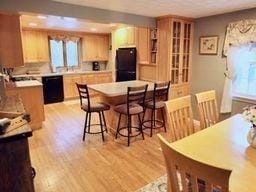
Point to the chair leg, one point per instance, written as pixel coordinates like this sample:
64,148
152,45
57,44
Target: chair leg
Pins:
143,116
140,122
104,120
89,126
85,125
129,129
151,128
154,117
101,127
118,124
162,112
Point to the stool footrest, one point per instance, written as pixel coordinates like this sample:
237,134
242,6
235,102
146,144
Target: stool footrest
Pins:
133,128
105,130
154,127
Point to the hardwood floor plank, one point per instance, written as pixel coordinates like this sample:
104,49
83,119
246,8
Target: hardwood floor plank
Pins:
64,162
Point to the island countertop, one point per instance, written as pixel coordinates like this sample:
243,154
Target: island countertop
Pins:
119,88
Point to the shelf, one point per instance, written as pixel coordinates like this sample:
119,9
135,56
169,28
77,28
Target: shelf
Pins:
148,64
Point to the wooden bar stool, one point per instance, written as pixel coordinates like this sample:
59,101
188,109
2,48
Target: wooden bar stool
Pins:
134,106
160,95
89,108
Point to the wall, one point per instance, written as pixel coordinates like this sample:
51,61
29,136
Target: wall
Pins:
50,7
207,71
45,67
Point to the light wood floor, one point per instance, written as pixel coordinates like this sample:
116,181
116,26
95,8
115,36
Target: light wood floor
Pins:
64,163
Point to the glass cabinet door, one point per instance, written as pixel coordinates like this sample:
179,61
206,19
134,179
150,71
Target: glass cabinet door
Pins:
176,56
186,52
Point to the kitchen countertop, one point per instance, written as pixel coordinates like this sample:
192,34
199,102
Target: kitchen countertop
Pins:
62,73
119,88
28,83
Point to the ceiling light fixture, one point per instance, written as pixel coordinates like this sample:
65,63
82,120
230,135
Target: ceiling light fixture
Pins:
32,24
69,19
112,24
41,17
93,29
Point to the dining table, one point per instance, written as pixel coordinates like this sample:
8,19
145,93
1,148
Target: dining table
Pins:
224,145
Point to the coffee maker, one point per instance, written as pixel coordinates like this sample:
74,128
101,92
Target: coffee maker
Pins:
95,66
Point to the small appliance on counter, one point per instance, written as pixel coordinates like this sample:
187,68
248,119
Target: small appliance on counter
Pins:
95,66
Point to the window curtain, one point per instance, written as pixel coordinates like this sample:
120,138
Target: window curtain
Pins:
65,38
238,34
237,61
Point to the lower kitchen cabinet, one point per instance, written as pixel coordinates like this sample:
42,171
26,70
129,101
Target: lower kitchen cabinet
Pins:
33,101
69,81
179,91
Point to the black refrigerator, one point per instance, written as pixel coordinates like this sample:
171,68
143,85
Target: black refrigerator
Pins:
126,64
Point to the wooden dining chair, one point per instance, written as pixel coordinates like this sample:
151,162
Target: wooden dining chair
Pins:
189,175
207,107
180,117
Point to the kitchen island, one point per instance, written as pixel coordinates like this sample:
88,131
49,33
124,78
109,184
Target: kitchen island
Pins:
115,94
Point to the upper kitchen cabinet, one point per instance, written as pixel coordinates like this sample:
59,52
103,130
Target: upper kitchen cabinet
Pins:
95,47
143,45
124,36
11,54
147,44
35,46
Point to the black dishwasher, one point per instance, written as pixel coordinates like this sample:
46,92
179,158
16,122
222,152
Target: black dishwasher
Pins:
53,89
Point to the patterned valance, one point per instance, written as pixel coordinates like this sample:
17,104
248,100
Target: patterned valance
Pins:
238,33
64,38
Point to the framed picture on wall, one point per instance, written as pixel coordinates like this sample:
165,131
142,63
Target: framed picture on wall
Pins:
208,45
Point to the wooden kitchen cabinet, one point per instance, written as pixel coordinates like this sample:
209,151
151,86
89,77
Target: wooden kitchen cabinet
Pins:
33,101
95,47
143,45
11,54
125,36
104,78
35,46
69,81
175,53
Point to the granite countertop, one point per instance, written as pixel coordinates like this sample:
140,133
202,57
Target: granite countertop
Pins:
119,88
62,73
12,107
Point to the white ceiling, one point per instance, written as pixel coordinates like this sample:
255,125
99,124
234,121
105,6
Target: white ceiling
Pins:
63,23
154,8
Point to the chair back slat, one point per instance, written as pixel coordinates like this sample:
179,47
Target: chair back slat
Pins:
161,91
208,109
180,117
188,175
136,95
83,95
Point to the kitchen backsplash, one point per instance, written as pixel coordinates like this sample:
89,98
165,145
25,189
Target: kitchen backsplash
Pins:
45,67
